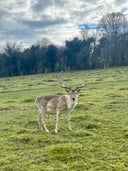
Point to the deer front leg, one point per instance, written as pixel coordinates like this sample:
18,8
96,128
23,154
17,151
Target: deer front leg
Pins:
57,121
68,119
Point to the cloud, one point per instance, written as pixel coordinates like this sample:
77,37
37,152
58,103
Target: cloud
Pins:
46,22
59,20
120,2
40,5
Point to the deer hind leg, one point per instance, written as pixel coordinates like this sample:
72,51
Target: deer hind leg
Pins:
41,121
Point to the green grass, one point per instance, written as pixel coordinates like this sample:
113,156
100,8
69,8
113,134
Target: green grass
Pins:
99,140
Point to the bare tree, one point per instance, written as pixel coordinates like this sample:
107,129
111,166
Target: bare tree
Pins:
112,26
12,52
44,42
12,47
113,23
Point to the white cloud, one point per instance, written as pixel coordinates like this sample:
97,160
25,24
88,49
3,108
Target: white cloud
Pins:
31,20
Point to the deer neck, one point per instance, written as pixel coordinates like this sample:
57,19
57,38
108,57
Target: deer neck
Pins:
70,103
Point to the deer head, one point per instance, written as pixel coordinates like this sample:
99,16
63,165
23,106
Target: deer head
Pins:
69,89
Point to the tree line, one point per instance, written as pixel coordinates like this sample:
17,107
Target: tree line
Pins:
105,47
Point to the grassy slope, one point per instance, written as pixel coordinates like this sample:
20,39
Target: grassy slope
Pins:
99,140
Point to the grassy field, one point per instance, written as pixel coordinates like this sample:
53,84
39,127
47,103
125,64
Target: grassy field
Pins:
99,140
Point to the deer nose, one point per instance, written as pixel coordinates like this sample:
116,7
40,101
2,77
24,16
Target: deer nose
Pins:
73,99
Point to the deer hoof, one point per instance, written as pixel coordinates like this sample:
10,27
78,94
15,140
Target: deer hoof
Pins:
56,131
70,128
46,130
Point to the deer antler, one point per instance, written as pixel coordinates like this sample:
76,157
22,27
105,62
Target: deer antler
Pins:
78,88
62,84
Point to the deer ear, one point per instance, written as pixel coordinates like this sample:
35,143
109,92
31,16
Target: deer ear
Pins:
78,90
67,90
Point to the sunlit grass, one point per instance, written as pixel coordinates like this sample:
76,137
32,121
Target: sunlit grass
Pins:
99,140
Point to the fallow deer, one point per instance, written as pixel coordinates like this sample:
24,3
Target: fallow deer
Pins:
58,104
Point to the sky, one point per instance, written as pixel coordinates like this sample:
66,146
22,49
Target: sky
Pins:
28,21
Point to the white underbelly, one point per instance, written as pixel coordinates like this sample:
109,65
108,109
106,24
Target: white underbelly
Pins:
50,110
